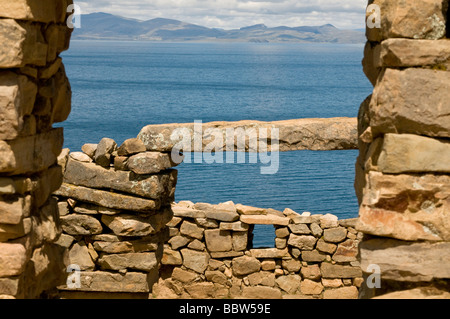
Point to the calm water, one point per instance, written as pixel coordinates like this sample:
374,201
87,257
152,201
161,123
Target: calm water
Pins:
119,87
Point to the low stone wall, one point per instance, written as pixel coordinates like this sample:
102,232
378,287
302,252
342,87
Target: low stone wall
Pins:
402,179
210,255
114,205
34,94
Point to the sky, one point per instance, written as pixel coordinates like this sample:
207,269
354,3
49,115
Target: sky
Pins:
233,14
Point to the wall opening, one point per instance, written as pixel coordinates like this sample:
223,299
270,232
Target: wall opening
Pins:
262,236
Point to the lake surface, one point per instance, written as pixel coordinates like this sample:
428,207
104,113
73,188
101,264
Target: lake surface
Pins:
119,87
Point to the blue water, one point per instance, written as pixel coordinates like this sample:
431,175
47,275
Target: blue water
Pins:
119,87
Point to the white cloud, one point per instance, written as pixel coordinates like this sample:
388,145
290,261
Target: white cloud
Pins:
229,14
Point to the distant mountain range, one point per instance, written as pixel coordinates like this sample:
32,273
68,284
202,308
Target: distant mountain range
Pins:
104,26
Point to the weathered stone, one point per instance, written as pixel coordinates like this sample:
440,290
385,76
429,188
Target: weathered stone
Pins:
245,265
261,292
406,207
36,152
329,221
299,229
8,232
130,147
132,282
132,225
406,261
313,256
400,19
207,223
226,254
413,53
191,230
332,283
42,11
79,255
350,292
138,261
309,287
76,224
197,245
184,276
291,265
311,272
224,214
335,235
403,153
302,242
201,290
89,149
265,220
13,259
108,199
179,241
408,90
240,240
89,209
17,97
371,62
268,264
217,277
195,260
149,163
182,211
80,157
218,240
22,44
236,226
417,294
94,176
62,99
103,152
314,134
346,251
269,253
280,243
13,210
289,284
282,232
249,210
316,230
339,271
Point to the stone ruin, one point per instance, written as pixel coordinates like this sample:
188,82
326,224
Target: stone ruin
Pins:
120,235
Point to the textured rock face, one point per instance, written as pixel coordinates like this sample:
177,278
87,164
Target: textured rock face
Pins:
313,134
207,257
402,171
34,94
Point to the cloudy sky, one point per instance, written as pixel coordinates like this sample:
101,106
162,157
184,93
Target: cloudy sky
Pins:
230,14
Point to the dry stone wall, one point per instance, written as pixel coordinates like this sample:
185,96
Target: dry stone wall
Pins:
114,205
402,179
34,94
210,255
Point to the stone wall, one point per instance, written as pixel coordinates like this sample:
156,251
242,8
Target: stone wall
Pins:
210,255
114,205
34,94
402,179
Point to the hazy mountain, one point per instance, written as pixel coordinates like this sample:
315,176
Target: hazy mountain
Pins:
107,26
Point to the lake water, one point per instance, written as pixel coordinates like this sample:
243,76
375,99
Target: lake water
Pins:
119,87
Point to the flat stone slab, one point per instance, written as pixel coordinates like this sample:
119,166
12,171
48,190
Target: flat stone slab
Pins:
108,199
95,176
265,220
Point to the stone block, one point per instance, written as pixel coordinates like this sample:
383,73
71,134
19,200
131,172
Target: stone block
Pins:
335,235
191,230
105,148
309,287
265,220
262,253
149,163
108,199
407,19
406,207
79,255
350,292
195,260
245,265
303,242
13,259
45,11
261,292
77,224
218,240
135,261
407,261
331,271
22,44
290,284
402,103
17,97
